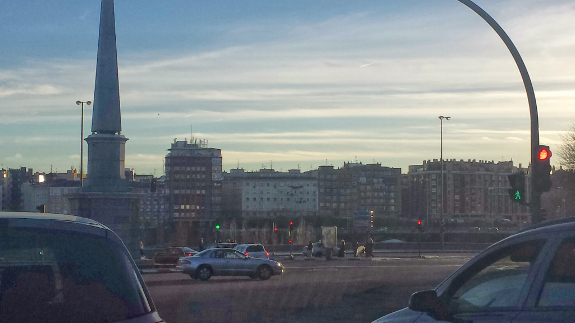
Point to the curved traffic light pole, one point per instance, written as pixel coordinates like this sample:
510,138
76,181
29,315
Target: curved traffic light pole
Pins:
535,196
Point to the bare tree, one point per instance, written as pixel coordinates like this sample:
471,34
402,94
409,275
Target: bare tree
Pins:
567,149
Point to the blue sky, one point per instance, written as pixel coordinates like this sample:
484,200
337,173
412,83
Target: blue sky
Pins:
293,84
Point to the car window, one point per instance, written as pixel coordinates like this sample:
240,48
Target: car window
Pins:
497,281
61,276
559,286
258,248
230,255
217,254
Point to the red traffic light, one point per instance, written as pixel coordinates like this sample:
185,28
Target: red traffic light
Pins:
544,154
291,223
418,222
276,229
289,240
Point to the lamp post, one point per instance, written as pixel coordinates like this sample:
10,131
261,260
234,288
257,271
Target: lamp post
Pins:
82,141
442,199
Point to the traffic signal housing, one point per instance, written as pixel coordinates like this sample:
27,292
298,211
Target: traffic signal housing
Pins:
517,190
153,185
371,219
541,169
419,226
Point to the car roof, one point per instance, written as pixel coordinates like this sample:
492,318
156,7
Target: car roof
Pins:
59,222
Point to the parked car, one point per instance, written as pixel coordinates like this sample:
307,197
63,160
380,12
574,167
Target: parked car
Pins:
254,250
63,268
171,255
529,276
228,262
223,245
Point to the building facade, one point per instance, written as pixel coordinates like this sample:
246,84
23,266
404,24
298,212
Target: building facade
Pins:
268,193
194,182
356,188
473,192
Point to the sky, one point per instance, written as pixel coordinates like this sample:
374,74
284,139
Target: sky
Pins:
288,84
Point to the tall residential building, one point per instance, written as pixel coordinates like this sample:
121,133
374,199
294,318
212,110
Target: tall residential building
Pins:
194,181
356,188
473,191
268,193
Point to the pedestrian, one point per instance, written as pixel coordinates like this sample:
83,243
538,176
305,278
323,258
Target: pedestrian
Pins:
355,247
310,249
369,248
201,246
141,249
341,252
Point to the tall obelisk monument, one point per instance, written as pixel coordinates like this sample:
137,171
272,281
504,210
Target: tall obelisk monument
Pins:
105,197
106,145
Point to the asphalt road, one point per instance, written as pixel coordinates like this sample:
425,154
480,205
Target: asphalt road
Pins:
340,290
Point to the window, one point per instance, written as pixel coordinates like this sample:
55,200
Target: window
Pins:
495,282
559,286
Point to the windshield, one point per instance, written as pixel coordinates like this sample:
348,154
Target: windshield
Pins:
61,276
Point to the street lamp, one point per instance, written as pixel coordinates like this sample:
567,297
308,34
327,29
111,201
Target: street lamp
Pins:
442,200
82,141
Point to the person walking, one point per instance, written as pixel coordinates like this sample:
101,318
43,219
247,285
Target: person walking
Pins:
369,248
310,249
355,247
341,252
201,246
141,249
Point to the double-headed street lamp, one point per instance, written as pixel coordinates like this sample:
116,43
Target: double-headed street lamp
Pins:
82,141
442,199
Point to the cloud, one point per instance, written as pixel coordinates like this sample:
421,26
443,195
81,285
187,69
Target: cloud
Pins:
16,157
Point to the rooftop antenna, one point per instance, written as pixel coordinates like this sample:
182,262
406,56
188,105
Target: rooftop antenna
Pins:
191,133
271,164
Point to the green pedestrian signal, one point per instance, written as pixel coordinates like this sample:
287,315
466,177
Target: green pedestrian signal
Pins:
517,190
217,226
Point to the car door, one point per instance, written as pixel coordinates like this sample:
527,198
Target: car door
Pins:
161,256
493,288
553,297
175,254
237,263
218,262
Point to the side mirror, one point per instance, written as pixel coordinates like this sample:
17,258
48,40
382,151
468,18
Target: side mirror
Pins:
425,301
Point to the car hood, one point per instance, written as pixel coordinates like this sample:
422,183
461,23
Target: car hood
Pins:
403,315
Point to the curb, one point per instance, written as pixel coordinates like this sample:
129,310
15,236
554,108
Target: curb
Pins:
160,271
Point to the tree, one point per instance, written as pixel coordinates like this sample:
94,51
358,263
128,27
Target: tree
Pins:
566,151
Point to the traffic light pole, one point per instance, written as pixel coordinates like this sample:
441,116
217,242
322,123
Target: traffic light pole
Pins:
535,197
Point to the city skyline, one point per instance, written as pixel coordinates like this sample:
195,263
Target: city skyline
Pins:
293,85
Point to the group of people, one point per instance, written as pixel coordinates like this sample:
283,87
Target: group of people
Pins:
357,249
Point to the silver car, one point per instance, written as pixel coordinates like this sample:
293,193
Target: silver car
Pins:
228,262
